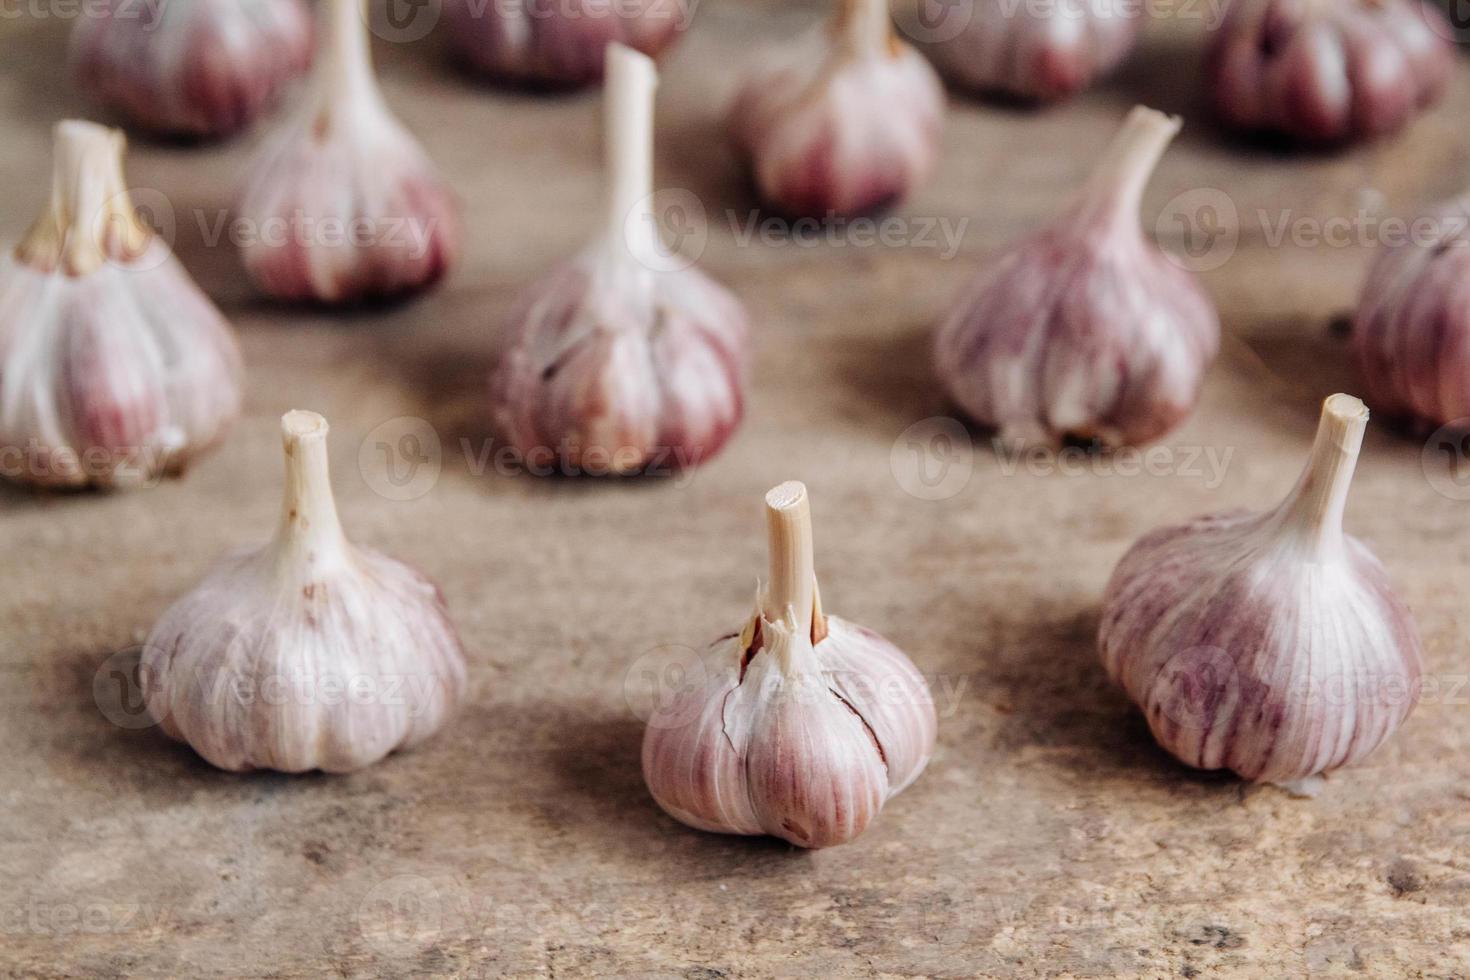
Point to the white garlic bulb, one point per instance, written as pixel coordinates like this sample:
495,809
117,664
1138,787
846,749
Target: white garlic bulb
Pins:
1085,329
844,121
309,653
114,368
199,68
343,204
1270,644
803,726
622,360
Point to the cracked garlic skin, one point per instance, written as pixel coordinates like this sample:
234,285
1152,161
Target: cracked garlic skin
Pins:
309,653
527,42
1328,71
1036,53
844,121
619,361
1086,329
191,68
343,205
115,368
802,726
1270,644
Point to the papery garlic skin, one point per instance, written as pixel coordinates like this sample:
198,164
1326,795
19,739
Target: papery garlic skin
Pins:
845,121
561,45
343,204
800,728
115,369
620,361
1086,329
1270,644
1037,53
1411,336
195,68
309,653
1324,72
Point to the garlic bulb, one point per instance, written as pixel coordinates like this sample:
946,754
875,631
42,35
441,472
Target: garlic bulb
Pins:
620,361
558,45
114,368
343,204
1270,644
1328,71
1037,52
804,725
1085,329
309,653
198,68
1411,338
844,121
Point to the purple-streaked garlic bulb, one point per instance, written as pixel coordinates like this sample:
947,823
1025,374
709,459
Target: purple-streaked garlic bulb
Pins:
343,204
310,653
1086,329
557,45
801,725
621,360
115,369
843,121
1328,71
195,68
1037,52
1411,337
1270,644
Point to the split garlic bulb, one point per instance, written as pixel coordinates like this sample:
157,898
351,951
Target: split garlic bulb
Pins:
531,42
199,68
309,653
1411,338
1037,52
343,204
1268,644
114,368
1085,329
1328,71
803,725
844,121
620,360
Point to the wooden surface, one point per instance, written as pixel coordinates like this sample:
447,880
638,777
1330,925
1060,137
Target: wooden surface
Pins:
1049,836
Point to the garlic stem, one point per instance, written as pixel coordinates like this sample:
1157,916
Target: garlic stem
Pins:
1315,507
791,593
865,26
1120,178
347,83
628,147
310,528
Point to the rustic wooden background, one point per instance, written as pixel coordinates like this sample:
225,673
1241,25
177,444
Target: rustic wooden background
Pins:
1049,835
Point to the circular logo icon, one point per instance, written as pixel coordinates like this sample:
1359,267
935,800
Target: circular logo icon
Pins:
152,209
662,686
935,21
668,230
1194,685
119,691
403,21
933,459
1445,460
1199,230
401,459
401,914
1450,19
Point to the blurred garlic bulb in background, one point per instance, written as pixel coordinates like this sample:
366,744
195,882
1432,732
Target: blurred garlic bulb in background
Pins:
1411,337
803,725
1086,329
114,368
1328,72
199,68
1270,644
623,360
343,205
309,653
530,42
1036,52
844,121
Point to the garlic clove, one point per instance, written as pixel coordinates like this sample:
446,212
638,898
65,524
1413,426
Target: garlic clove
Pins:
202,68
523,42
309,653
343,204
619,361
1328,73
114,368
845,121
1085,329
1270,644
803,725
